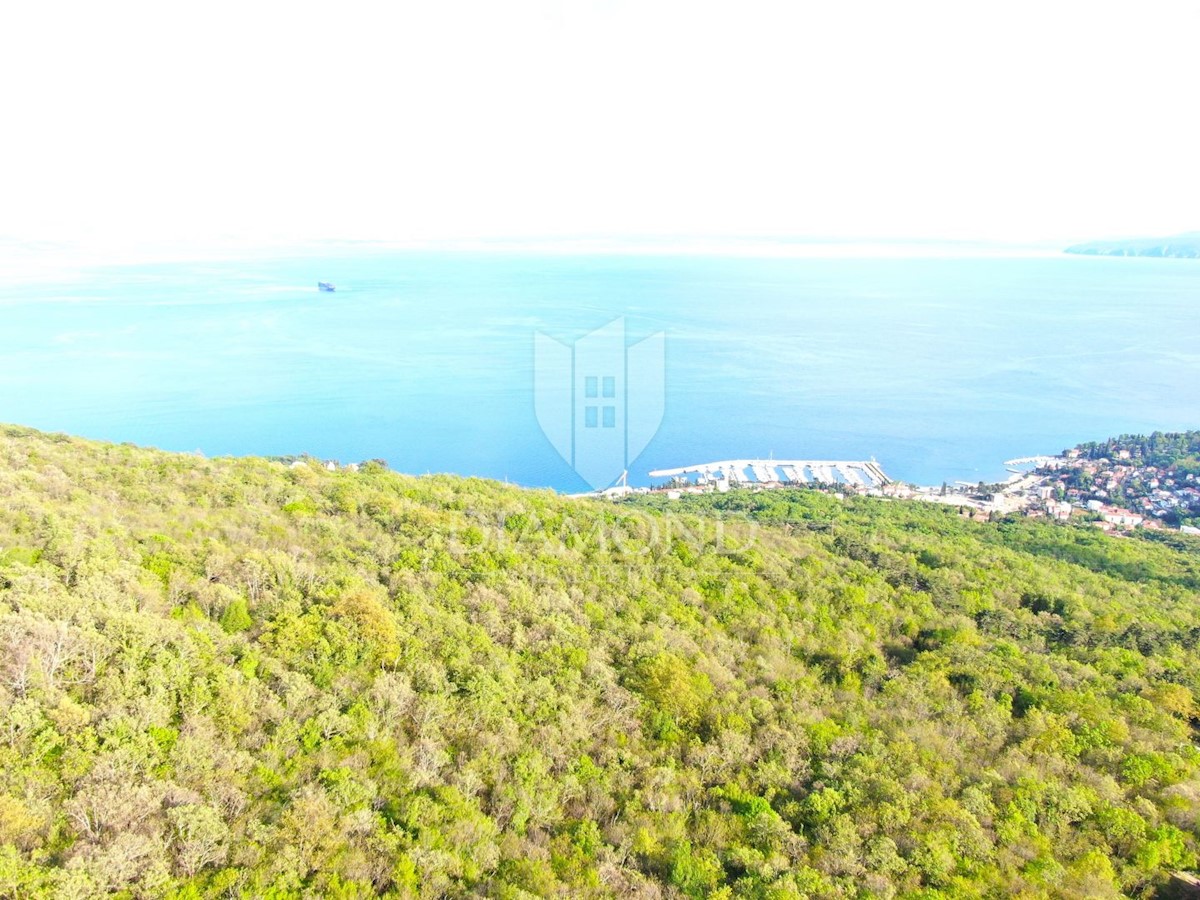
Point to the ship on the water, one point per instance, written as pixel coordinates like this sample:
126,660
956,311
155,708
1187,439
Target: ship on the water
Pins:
326,286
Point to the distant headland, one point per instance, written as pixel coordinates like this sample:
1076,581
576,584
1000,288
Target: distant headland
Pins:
1183,246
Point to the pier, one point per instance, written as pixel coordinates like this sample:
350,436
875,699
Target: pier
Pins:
1033,461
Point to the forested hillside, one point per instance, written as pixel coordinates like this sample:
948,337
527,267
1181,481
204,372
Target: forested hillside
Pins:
1162,449
237,678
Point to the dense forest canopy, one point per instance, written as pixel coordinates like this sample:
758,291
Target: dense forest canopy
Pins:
239,677
1160,449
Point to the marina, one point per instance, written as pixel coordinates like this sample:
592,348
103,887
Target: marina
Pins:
857,474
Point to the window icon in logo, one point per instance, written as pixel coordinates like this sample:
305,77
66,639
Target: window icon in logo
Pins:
608,411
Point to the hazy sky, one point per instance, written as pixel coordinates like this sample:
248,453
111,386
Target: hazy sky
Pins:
1015,120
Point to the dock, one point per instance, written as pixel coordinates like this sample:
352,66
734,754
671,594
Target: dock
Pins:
1033,461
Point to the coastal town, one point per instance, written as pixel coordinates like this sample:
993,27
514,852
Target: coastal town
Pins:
1122,484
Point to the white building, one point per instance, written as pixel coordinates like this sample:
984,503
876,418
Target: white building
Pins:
1128,520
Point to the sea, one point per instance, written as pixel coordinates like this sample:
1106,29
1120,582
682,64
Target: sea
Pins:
940,368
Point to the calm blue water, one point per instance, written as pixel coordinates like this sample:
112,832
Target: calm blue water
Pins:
940,368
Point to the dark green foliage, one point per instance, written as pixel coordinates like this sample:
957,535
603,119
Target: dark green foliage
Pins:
1157,449
236,678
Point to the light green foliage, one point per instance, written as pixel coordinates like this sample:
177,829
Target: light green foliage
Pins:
671,688
234,678
236,616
